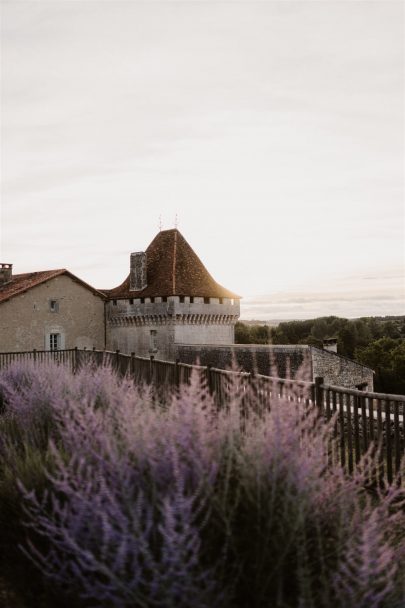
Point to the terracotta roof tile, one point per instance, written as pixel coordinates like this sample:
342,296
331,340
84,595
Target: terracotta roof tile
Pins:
173,268
22,282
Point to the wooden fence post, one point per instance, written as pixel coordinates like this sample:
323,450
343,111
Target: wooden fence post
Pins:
319,393
75,360
210,379
151,359
177,373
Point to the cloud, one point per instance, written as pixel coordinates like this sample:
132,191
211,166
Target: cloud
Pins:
279,147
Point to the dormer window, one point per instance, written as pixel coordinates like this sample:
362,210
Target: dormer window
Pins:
53,306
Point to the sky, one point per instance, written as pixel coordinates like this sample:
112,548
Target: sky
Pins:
272,131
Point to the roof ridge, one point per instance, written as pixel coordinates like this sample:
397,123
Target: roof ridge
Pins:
21,283
173,268
174,261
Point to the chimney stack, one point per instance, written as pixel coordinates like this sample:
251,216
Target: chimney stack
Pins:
137,274
6,273
330,344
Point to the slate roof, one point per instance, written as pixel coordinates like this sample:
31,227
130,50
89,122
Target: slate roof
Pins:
173,269
23,282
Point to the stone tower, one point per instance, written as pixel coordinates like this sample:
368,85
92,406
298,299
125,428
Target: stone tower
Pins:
168,298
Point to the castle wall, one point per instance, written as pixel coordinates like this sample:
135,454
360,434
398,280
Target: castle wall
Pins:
204,334
26,320
137,339
131,322
282,361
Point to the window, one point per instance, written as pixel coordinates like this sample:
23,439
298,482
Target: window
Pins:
54,341
221,300
152,300
181,299
142,300
191,300
114,302
53,305
153,341
206,300
131,301
164,299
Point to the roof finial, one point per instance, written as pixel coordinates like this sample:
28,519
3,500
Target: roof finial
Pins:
176,221
160,223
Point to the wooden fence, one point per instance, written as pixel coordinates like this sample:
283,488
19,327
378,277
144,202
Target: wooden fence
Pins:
360,418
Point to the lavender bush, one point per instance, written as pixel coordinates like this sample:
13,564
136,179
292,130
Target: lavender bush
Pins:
133,502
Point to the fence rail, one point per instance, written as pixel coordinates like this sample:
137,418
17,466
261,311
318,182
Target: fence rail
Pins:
360,418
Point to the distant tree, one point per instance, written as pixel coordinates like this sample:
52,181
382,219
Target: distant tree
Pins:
320,328
242,334
347,339
386,357
260,334
252,334
391,330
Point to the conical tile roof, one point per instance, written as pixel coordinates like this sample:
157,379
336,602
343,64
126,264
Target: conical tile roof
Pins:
173,268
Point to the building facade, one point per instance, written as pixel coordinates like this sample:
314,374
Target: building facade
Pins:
168,298
49,310
169,307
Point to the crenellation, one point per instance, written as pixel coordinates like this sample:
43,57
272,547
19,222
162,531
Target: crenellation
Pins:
200,322
171,308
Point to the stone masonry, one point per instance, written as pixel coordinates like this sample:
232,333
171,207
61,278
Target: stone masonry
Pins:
282,361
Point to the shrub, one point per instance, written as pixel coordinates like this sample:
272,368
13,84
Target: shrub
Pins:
147,503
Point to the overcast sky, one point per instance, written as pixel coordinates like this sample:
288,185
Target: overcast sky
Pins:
274,130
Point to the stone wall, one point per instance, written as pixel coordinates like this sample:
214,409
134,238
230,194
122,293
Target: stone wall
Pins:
281,361
137,339
341,371
26,320
172,319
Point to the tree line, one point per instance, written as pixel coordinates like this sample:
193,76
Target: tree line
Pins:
378,342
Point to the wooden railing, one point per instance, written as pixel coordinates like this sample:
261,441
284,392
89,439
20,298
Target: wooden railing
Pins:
361,419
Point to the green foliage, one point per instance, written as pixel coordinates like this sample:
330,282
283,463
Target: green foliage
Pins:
252,334
387,357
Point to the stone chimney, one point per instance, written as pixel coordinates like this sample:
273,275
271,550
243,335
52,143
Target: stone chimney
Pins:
6,273
330,344
137,273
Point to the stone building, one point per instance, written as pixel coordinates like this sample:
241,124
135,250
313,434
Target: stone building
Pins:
168,298
169,306
48,310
